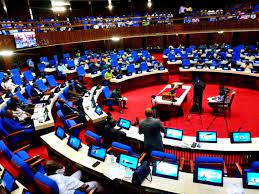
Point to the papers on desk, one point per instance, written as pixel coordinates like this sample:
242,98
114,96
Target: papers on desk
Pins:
235,188
118,171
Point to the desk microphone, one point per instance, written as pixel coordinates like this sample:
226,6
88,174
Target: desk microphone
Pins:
126,162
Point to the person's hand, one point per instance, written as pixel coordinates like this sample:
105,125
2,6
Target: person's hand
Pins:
83,187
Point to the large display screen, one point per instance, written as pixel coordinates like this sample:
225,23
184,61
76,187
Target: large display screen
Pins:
25,39
206,136
209,176
240,137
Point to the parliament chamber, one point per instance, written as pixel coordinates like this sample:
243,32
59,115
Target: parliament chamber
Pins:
137,96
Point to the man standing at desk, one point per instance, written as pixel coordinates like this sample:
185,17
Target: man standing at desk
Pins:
151,129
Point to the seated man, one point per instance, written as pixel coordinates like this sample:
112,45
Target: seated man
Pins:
71,110
15,102
62,68
37,94
69,184
12,125
111,134
118,98
108,75
19,114
8,85
79,87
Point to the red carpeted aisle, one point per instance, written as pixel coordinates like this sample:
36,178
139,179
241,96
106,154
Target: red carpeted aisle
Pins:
244,111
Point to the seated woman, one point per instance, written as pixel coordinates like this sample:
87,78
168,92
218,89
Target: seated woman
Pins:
69,184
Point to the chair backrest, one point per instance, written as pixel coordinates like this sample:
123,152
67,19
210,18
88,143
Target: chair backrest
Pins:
80,71
66,55
254,166
209,162
185,62
106,92
119,148
17,80
131,68
5,150
162,156
23,168
28,90
103,72
51,81
21,98
71,64
28,75
143,66
92,138
232,98
45,184
41,67
41,86
3,132
171,57
15,71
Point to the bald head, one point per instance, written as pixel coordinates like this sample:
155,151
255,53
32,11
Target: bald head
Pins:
148,112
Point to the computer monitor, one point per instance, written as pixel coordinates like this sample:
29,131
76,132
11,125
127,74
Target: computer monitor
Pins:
74,143
97,152
173,133
165,169
251,180
210,176
123,123
60,133
240,137
212,67
8,182
128,161
98,110
206,136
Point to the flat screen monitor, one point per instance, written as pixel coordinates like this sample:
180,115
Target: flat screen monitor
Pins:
251,180
8,182
74,143
123,123
165,169
97,152
213,67
128,161
25,39
60,133
206,136
93,103
240,137
172,133
210,176
98,110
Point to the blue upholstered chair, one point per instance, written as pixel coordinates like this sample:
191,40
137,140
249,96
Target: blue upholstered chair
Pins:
80,72
254,167
71,64
171,57
66,55
45,184
14,138
162,156
131,68
92,138
51,81
22,98
15,71
17,80
166,51
118,148
108,101
41,86
28,76
143,66
186,63
41,68
70,124
208,162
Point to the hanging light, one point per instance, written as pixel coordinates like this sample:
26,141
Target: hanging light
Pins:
149,4
110,5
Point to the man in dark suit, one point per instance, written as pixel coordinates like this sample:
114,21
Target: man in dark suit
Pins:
151,129
71,110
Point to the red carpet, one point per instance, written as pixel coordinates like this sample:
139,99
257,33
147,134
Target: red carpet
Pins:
244,111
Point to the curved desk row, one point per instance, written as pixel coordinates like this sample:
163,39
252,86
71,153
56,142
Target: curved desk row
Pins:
229,77
112,171
141,80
